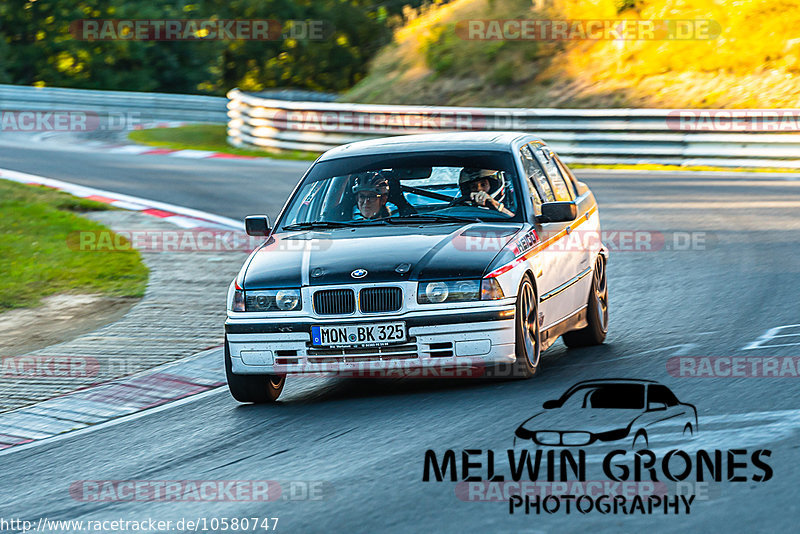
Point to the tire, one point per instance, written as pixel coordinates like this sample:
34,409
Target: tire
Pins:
595,332
638,438
258,389
528,336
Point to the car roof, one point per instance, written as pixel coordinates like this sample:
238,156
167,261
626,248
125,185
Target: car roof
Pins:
428,142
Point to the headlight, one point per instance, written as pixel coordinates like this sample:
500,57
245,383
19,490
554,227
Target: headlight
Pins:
263,300
448,291
288,299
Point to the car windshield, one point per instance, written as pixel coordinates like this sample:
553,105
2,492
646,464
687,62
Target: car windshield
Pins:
607,396
423,188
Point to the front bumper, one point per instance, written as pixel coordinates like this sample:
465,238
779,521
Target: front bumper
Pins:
458,341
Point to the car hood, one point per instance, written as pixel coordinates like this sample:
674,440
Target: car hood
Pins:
441,251
593,420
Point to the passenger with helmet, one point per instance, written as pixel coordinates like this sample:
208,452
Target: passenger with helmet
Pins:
371,190
484,188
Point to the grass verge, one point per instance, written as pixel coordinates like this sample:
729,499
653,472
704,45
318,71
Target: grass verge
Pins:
212,137
35,259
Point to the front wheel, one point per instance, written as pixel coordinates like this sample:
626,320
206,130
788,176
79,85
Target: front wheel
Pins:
258,389
597,312
528,338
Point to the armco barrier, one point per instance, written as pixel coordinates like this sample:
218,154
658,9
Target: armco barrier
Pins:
578,135
147,106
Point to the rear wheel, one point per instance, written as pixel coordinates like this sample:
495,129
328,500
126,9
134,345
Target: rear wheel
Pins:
258,389
597,312
528,339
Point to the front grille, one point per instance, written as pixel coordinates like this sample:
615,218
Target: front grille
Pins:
380,299
335,302
439,350
286,357
405,351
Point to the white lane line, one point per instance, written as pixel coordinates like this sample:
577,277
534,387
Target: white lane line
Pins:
114,422
773,333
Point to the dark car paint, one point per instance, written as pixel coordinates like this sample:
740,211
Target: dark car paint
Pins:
435,252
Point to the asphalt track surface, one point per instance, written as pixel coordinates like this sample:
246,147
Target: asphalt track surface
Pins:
366,439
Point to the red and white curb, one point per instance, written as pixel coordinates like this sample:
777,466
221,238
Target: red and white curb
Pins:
159,388
114,402
177,215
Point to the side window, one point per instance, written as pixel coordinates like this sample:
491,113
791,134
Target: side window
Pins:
538,181
567,174
560,188
659,393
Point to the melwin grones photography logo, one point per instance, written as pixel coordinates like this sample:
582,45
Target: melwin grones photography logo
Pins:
620,446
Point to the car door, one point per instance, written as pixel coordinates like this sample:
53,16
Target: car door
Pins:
551,266
569,291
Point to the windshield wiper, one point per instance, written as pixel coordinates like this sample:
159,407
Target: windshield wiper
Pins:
333,224
317,224
433,218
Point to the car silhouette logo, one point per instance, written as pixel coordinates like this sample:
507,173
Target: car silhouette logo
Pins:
359,273
607,410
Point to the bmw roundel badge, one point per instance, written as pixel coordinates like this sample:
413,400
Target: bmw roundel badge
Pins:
359,273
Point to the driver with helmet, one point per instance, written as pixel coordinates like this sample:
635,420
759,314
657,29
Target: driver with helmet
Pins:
483,187
371,190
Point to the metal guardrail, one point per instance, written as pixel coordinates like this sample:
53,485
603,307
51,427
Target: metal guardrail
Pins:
147,106
604,136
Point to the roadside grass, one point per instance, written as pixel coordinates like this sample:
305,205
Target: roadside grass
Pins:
748,58
212,137
35,259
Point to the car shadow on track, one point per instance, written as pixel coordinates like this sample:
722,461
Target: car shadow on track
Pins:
310,390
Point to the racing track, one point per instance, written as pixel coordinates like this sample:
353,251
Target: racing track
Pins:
366,439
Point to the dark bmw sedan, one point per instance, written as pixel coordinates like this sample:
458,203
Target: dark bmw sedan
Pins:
432,251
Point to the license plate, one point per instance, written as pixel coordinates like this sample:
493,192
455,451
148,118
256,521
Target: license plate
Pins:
358,335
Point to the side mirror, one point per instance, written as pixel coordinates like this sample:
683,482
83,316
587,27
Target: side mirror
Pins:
257,225
564,211
549,405
656,406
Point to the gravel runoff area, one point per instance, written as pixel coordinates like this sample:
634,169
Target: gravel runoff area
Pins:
181,314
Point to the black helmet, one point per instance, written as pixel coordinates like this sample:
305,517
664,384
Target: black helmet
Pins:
373,181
